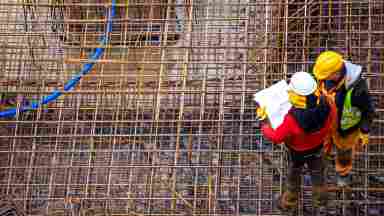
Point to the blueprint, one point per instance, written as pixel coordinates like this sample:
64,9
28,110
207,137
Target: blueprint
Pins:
275,100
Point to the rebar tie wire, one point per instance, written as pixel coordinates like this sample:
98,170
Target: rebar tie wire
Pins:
87,67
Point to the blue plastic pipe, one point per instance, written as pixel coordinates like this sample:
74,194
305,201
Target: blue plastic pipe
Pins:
75,80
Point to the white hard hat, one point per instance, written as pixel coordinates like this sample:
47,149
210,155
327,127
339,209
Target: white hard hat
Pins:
302,83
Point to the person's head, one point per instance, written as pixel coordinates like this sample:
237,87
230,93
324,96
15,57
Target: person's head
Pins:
329,65
302,89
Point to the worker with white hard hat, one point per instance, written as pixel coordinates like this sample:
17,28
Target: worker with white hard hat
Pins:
304,130
341,81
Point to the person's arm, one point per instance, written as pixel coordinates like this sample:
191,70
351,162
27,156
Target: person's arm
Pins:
279,134
362,99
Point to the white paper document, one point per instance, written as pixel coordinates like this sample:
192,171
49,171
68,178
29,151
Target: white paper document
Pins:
275,100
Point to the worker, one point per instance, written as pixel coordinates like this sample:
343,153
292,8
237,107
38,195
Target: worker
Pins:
341,81
303,130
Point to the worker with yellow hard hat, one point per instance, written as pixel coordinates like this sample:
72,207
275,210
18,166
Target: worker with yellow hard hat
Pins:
304,129
341,81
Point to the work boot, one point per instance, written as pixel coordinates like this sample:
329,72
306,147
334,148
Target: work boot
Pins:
287,203
319,211
319,196
344,181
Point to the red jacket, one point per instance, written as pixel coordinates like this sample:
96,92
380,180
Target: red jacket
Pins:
294,136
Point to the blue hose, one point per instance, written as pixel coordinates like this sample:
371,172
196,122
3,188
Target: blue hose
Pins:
75,80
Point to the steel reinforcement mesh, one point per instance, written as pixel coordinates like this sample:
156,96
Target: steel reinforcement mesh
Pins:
163,122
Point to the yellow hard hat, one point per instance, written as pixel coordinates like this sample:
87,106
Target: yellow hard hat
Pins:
326,64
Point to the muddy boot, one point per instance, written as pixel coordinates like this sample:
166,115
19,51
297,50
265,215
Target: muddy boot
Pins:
344,181
319,211
319,196
287,203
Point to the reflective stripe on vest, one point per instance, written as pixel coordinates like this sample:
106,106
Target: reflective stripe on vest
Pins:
351,115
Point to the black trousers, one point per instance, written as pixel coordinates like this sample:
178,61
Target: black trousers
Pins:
314,161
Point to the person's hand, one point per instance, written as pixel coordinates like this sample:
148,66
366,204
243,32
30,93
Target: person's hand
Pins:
363,141
261,113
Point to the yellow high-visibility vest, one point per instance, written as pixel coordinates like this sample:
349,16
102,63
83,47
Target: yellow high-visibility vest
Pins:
351,115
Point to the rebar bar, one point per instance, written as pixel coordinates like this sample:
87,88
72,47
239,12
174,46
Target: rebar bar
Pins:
164,122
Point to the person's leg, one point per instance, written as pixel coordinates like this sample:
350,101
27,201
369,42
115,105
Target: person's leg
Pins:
319,190
289,198
343,166
344,157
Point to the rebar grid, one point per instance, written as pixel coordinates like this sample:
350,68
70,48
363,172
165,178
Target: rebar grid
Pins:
165,123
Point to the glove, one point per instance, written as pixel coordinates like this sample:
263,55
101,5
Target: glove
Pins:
261,113
364,139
